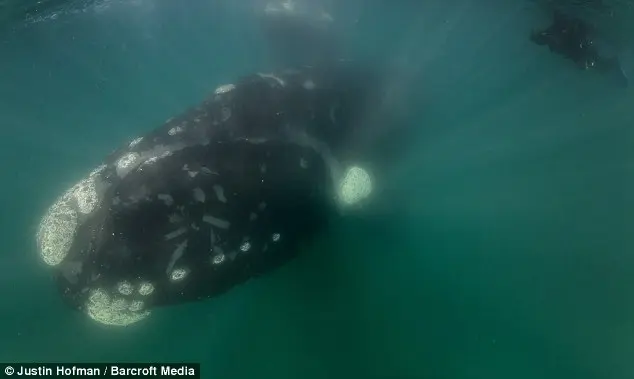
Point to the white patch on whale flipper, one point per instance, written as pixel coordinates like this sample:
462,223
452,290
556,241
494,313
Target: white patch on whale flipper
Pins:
146,288
355,186
224,89
179,274
58,226
125,288
127,163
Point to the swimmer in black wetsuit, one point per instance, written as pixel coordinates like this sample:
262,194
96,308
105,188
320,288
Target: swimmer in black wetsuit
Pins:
218,195
571,37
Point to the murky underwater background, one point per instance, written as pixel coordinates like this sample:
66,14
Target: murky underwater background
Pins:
504,248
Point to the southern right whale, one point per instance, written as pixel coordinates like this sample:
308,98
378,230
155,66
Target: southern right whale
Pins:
220,194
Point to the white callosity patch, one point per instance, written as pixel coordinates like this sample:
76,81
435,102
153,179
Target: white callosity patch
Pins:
224,89
218,259
146,288
178,274
246,246
112,311
159,152
135,142
175,130
57,228
150,161
127,163
56,231
136,306
355,186
125,288
86,191
119,305
275,237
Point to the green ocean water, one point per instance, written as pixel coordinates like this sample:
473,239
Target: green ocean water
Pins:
502,249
